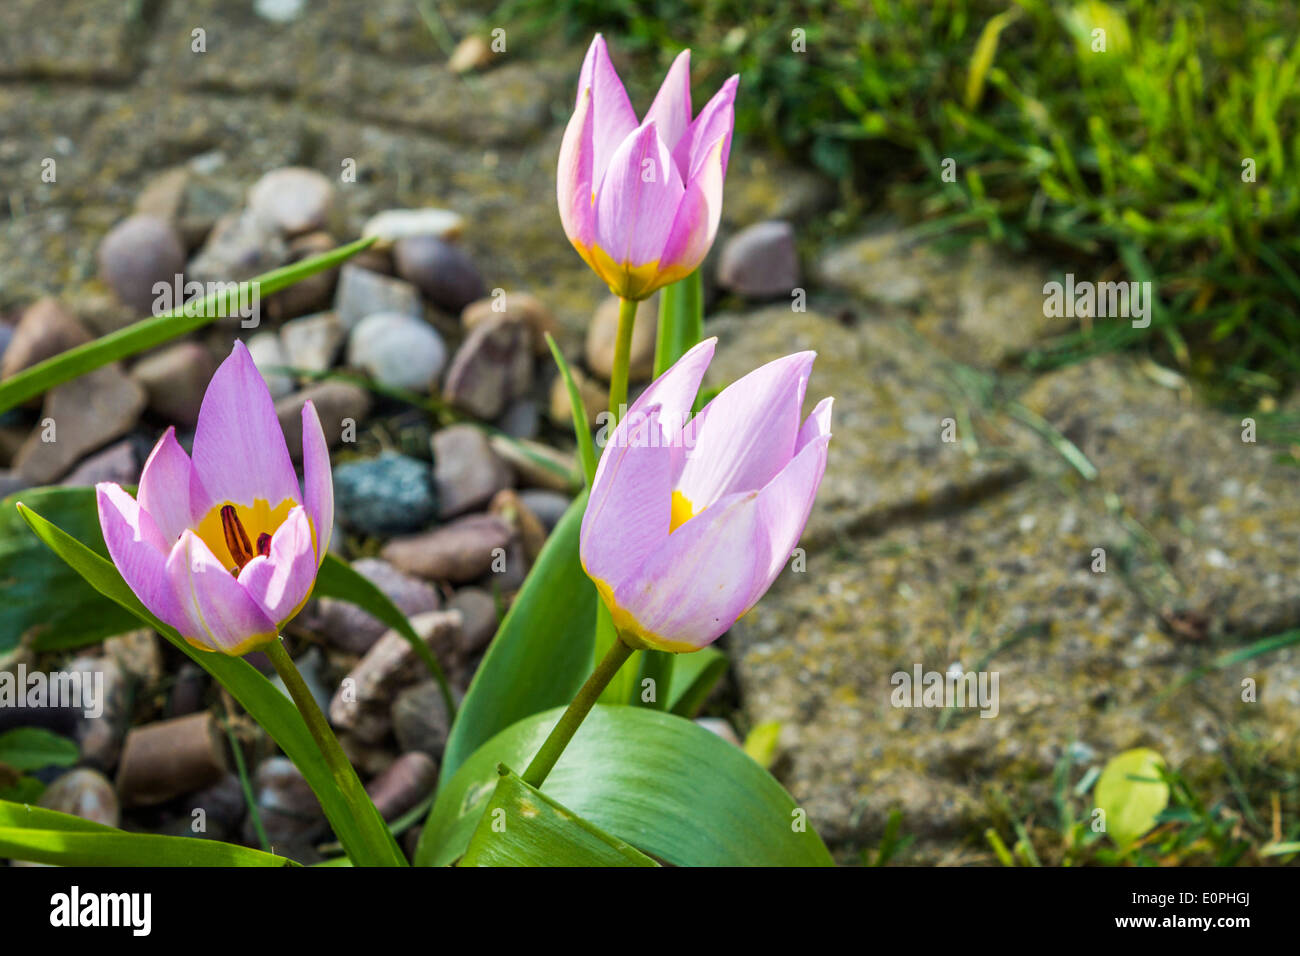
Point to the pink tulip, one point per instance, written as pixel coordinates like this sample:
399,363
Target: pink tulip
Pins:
641,201
225,546
689,523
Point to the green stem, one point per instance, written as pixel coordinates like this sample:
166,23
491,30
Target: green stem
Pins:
622,356
335,758
576,712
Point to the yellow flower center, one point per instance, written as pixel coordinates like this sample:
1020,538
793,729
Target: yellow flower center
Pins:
238,533
682,511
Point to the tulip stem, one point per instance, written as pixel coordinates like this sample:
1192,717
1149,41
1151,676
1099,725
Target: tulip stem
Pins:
335,758
622,357
576,712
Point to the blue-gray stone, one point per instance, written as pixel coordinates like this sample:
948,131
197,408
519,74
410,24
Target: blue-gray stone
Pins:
391,494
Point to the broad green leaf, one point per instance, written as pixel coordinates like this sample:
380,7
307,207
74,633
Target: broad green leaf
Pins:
681,321
581,427
255,693
521,826
24,790
46,603
150,332
694,676
668,787
1132,794
31,748
337,579
656,667
541,653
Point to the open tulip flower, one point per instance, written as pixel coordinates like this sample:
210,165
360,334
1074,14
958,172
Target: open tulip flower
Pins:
641,201
225,546
689,523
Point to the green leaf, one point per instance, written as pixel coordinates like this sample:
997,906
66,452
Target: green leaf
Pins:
46,604
521,826
760,743
581,427
694,676
150,332
31,748
45,836
255,693
681,321
1132,793
541,653
337,579
668,787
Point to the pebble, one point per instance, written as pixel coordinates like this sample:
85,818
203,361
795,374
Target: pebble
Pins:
337,403
525,308
472,53
720,728
595,399
602,337
45,330
479,619
188,690
88,412
312,342
289,811
312,294
191,201
117,463
84,793
293,199
393,224
398,351
466,469
460,551
521,419
549,506
419,719
348,627
175,379
361,293
760,261
267,352
224,808
492,367
560,473
138,654
137,253
362,703
240,246
442,270
390,494
509,507
407,781
167,758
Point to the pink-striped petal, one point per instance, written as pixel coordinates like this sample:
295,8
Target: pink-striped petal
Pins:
613,116
748,433
220,614
637,201
165,487
715,124
138,550
671,109
281,581
628,512
239,449
673,393
574,177
695,224
317,481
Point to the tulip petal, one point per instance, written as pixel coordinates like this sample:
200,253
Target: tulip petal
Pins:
575,188
637,200
627,515
747,434
695,224
139,552
317,481
673,393
613,116
222,615
671,109
703,576
281,581
714,124
165,487
239,449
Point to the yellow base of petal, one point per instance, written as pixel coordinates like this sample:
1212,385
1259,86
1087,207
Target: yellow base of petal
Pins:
245,646
632,633
257,520
626,280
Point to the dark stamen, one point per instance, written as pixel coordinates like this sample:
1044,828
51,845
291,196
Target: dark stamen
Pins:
241,549
264,545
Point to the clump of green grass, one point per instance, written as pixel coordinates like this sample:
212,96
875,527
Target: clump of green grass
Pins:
1133,158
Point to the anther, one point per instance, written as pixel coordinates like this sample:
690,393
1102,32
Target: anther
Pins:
241,549
264,544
